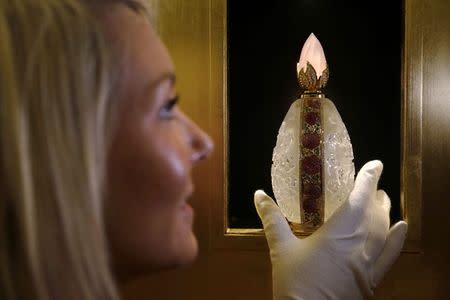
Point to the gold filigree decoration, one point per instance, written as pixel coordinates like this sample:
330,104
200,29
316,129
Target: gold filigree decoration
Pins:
308,79
324,78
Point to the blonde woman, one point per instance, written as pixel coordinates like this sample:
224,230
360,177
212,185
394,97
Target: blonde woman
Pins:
96,160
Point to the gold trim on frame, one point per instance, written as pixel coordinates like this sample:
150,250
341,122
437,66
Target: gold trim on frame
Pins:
223,237
412,124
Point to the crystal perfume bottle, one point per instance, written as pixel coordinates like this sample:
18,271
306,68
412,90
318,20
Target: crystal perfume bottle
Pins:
312,164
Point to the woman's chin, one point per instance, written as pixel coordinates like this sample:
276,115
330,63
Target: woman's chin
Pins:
187,249
185,245
183,254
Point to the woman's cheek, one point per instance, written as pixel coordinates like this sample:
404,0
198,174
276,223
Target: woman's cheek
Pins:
175,159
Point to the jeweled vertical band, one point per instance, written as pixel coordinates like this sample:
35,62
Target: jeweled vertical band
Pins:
312,200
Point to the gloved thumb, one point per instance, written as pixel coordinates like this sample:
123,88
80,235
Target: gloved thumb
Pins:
275,224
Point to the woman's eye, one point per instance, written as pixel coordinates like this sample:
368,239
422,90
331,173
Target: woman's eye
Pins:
166,111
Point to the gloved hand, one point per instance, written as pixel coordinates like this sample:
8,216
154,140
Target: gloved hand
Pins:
347,257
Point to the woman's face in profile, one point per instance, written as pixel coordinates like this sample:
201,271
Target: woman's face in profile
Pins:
154,148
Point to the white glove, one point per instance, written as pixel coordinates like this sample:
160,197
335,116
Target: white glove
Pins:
347,257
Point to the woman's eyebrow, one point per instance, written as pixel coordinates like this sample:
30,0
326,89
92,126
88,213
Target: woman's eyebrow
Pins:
164,77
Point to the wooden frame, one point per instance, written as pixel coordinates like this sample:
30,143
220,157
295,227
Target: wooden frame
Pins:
412,123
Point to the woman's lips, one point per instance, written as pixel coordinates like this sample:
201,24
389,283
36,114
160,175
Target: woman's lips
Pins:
188,212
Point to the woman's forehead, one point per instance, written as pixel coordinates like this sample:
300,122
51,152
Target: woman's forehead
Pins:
144,58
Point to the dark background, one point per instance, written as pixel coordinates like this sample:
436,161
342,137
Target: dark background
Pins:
362,43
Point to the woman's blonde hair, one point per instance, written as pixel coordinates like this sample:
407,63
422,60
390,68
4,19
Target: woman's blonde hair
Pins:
55,79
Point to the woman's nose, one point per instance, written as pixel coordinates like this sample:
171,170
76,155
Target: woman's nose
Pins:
200,142
202,145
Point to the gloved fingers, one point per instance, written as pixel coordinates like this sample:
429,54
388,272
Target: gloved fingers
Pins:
391,251
275,225
378,227
350,216
365,186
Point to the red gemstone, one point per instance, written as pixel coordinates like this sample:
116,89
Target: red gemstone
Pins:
309,205
311,165
314,103
311,140
312,191
312,118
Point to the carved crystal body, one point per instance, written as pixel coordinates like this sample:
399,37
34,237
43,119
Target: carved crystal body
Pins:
338,167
